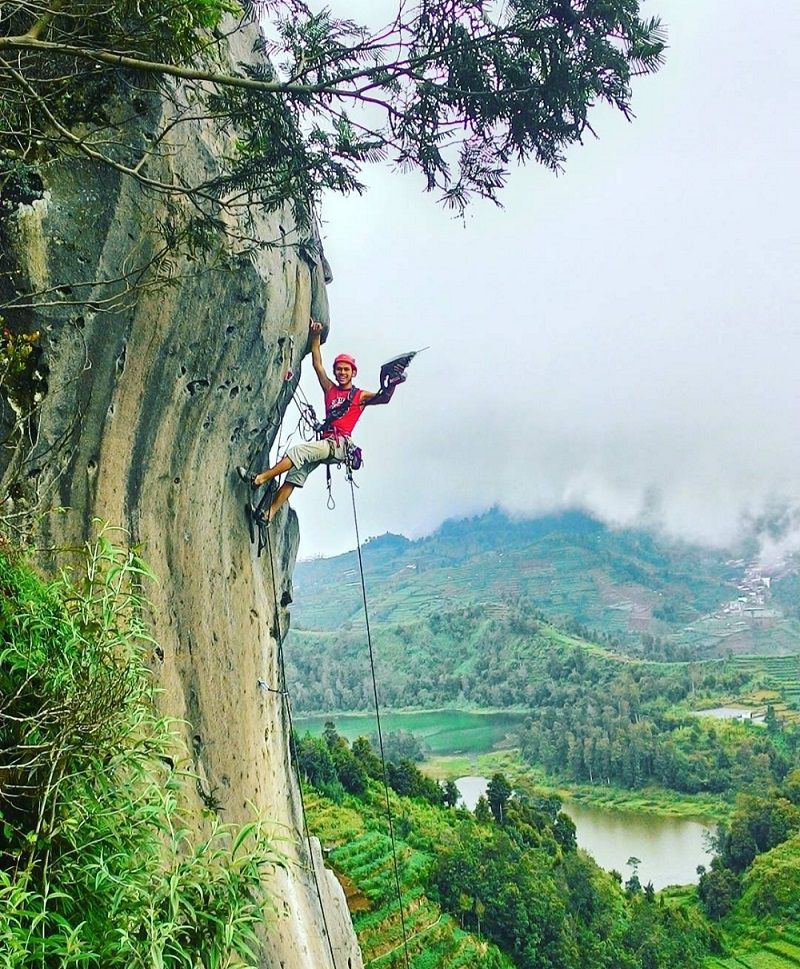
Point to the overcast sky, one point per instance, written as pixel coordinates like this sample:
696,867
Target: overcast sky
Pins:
623,338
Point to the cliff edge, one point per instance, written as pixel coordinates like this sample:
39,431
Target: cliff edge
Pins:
149,390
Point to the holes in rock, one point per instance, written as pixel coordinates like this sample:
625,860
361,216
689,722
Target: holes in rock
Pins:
229,330
176,480
199,384
233,392
206,424
237,433
120,364
197,743
91,465
183,371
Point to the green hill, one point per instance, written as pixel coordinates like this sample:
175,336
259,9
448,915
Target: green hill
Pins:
485,895
643,594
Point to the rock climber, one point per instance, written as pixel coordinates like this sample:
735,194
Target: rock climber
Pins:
344,405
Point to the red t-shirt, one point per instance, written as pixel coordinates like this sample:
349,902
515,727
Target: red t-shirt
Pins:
343,426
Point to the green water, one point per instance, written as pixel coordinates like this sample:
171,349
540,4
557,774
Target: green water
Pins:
440,731
668,849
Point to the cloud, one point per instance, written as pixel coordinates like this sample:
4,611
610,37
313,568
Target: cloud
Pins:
623,338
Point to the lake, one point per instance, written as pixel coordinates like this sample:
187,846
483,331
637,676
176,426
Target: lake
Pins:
669,849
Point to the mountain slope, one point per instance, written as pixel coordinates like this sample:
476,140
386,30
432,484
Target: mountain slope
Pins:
625,585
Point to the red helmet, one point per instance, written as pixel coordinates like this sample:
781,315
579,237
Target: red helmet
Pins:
346,358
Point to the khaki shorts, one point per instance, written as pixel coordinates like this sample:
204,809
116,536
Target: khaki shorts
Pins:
306,457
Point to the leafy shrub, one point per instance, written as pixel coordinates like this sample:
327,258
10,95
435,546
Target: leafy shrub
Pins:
772,884
97,868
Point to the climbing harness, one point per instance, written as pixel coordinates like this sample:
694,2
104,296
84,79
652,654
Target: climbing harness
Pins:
338,410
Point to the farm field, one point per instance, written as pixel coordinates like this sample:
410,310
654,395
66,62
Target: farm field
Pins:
782,952
363,862
441,732
780,683
618,583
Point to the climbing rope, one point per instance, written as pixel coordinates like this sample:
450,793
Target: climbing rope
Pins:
287,706
378,723
307,426
282,690
307,421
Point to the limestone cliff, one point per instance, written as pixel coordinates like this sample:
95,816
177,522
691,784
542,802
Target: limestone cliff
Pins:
150,396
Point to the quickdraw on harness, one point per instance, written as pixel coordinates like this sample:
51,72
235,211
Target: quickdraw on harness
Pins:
353,455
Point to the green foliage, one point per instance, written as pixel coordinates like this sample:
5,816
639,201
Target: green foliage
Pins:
718,890
97,866
455,89
17,359
759,823
753,884
408,780
552,910
498,792
329,764
399,745
623,728
48,92
538,903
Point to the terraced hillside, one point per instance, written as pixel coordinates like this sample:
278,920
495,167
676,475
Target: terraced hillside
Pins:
781,953
778,683
363,861
624,585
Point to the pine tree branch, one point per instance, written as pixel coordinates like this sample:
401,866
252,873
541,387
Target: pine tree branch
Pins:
25,42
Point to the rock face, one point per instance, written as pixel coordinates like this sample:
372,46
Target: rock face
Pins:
152,397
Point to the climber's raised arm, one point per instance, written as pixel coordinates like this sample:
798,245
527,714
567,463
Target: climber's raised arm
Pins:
316,356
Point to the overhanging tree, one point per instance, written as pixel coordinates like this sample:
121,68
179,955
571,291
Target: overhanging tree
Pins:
457,90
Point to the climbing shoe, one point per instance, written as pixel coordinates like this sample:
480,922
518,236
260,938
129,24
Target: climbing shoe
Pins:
257,523
262,524
245,475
